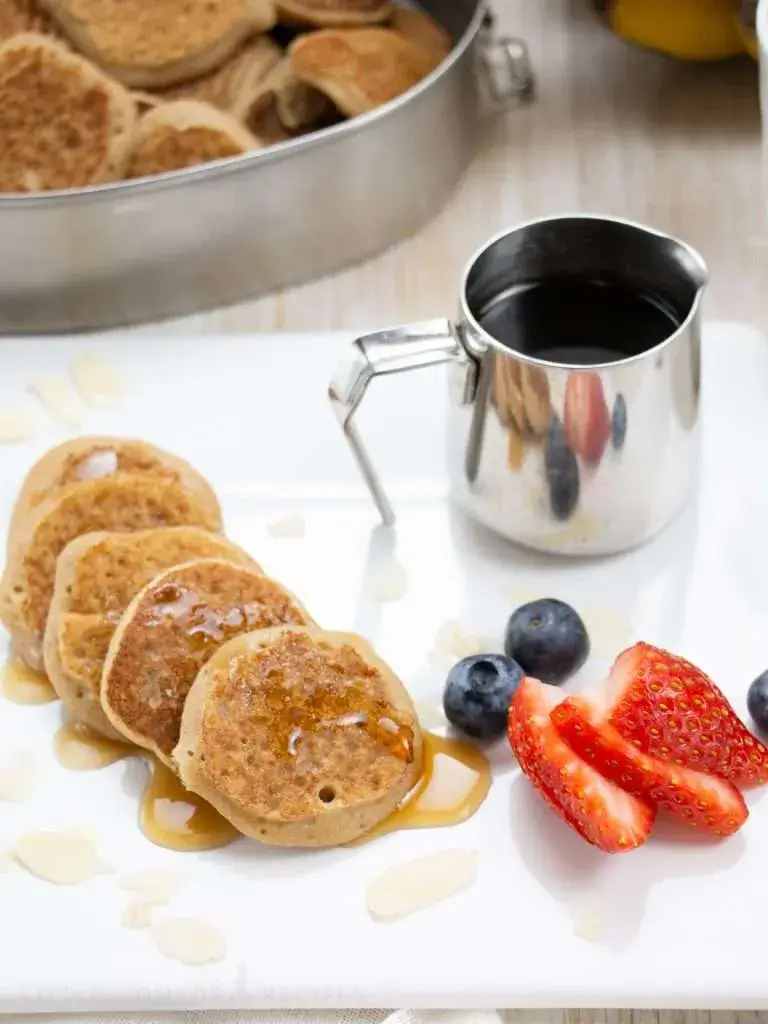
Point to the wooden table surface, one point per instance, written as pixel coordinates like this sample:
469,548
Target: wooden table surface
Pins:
613,130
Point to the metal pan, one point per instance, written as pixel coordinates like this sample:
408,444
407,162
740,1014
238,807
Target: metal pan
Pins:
239,228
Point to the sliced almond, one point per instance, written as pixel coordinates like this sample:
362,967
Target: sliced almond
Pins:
64,857
408,888
288,526
96,381
189,940
390,583
57,394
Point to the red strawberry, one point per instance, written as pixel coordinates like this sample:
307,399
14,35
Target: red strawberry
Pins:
599,811
585,416
670,709
701,800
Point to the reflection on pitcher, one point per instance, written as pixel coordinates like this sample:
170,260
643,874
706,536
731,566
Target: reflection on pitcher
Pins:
587,420
520,394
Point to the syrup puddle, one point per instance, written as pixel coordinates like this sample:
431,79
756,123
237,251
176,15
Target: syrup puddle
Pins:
169,815
176,819
455,783
79,748
23,685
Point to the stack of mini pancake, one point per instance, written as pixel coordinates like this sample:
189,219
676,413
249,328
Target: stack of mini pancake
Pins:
93,91
153,627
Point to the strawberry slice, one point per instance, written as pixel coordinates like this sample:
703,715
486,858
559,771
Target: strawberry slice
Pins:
670,709
703,801
585,416
598,810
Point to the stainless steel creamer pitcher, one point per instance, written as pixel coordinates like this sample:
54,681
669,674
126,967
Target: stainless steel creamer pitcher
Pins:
582,449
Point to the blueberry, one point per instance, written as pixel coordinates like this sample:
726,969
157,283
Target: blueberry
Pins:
478,692
757,701
562,471
548,639
619,423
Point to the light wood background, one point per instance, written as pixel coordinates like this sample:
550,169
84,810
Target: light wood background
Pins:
613,130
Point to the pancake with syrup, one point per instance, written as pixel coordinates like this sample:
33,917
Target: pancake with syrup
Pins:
299,737
120,502
168,632
97,576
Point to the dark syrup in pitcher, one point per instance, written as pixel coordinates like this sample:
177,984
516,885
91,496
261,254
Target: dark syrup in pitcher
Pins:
579,320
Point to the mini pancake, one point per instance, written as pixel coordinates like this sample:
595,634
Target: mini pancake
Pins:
120,502
183,134
97,576
92,457
63,122
150,44
168,632
360,69
299,737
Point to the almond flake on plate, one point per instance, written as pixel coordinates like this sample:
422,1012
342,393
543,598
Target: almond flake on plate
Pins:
19,774
288,526
16,426
589,921
189,940
390,583
454,642
153,884
138,914
63,857
417,884
97,383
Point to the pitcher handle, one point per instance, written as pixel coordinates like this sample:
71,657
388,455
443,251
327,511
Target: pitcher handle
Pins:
397,350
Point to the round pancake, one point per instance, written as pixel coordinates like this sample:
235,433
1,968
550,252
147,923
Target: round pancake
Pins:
91,457
121,502
168,632
299,737
185,133
360,69
97,576
149,44
63,122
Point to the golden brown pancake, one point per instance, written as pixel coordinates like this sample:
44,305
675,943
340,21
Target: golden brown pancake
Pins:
97,576
299,737
226,87
168,632
92,457
121,502
183,134
333,13
149,44
419,28
360,69
63,123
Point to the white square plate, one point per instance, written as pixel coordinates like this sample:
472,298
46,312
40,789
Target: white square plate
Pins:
682,916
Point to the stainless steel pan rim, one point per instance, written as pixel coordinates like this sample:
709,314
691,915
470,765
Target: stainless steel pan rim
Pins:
477,339
229,165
